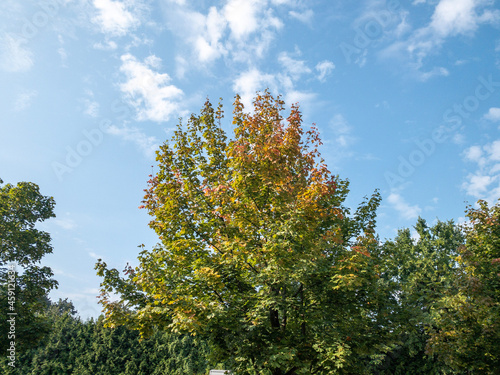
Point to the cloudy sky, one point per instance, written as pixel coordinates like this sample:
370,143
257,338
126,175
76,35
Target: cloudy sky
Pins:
406,95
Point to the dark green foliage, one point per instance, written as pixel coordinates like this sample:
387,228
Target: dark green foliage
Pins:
87,348
22,246
466,334
421,272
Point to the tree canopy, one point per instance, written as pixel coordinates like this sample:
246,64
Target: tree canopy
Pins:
261,268
22,246
467,320
258,253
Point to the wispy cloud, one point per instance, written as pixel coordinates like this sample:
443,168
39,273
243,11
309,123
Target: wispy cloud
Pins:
147,144
148,91
14,56
251,81
107,45
324,68
284,81
404,209
24,100
65,223
435,72
341,130
90,106
63,54
305,16
484,183
295,68
450,18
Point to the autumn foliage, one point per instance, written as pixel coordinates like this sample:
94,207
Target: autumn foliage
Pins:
258,254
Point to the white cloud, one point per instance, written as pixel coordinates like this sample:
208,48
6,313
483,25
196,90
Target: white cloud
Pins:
341,130
484,183
406,211
24,99
493,149
304,99
436,71
295,68
14,57
383,104
251,81
242,16
241,29
208,43
108,45
116,18
63,55
477,184
252,27
493,114
475,153
450,18
148,91
283,2
62,51
324,68
305,16
147,144
65,223
180,66
153,61
90,106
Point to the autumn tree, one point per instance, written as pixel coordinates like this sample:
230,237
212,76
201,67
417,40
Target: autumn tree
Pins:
467,332
25,284
258,253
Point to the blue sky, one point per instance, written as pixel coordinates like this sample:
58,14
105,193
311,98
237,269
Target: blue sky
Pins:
406,96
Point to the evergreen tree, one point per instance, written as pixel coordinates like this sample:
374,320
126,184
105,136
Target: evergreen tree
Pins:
89,348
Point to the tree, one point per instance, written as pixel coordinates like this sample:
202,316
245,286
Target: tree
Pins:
467,332
258,254
87,348
24,291
421,271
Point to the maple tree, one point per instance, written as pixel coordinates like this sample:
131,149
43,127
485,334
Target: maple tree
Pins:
258,253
